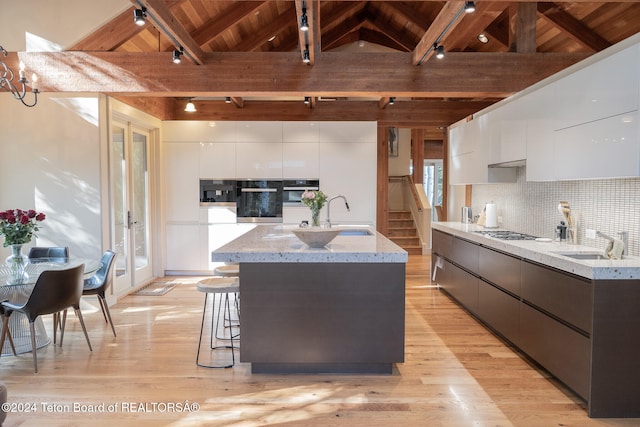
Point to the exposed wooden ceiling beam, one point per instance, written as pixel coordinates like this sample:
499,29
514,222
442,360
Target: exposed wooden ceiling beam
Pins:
572,27
112,34
283,74
259,38
235,13
384,101
167,23
441,26
237,101
474,24
522,28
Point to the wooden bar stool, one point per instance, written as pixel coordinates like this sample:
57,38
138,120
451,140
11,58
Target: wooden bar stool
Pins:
232,270
220,288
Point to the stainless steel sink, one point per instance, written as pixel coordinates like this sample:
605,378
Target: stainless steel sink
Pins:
583,255
355,232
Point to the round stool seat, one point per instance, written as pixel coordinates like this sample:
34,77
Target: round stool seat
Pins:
219,285
227,270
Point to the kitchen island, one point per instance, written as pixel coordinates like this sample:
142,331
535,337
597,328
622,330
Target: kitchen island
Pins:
337,309
578,318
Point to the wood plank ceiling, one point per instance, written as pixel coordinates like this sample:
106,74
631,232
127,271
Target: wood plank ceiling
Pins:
362,54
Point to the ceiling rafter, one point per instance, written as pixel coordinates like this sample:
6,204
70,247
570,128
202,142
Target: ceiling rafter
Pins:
474,24
441,26
401,38
111,35
235,13
251,44
158,11
558,17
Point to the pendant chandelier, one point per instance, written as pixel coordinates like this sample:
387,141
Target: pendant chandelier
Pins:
6,81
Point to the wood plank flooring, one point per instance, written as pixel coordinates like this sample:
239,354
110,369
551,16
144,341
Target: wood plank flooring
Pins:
455,373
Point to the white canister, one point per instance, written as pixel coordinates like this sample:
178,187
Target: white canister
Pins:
466,217
491,212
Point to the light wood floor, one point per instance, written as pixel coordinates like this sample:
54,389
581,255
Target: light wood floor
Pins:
456,373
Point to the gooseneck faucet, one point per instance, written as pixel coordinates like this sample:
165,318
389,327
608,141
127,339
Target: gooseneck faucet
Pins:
346,204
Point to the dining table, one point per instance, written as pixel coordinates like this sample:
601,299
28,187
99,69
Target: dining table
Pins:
19,293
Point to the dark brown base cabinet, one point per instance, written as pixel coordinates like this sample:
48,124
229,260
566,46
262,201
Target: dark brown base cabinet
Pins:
584,332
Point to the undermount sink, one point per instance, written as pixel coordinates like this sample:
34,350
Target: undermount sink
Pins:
355,232
583,255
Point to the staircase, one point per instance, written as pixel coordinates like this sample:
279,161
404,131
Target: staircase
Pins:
403,232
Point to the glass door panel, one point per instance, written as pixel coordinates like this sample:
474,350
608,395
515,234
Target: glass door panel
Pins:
119,222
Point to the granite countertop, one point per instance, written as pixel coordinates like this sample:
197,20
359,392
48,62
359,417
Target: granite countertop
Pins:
547,253
277,243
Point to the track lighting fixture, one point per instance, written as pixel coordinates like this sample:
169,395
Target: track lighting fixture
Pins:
392,100
439,52
140,16
227,100
304,21
177,56
307,100
469,6
190,107
483,38
305,56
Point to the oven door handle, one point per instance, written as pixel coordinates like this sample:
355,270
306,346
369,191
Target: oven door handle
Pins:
300,188
258,190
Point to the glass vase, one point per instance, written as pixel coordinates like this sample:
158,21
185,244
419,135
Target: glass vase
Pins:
17,262
315,217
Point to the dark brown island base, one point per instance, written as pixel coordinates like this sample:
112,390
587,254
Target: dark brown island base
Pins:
578,319
338,309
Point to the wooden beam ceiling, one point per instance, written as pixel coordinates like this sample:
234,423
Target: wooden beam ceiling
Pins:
470,75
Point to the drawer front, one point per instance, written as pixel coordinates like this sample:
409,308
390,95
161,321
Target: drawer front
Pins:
499,310
462,286
567,297
562,351
500,269
466,254
442,243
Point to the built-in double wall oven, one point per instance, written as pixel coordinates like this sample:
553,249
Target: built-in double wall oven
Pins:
259,200
293,188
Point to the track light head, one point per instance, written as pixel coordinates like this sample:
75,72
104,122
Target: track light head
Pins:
190,107
440,52
140,16
177,56
304,21
227,100
392,100
469,6
307,100
305,56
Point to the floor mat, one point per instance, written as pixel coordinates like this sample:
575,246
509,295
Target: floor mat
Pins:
156,288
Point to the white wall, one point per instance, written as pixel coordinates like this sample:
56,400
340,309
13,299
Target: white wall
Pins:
49,161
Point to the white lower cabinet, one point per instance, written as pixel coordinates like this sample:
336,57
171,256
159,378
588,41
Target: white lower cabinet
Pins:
181,181
184,248
601,149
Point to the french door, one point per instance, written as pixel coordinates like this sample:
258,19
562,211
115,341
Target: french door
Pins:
130,222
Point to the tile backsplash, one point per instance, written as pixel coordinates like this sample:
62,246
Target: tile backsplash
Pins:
606,205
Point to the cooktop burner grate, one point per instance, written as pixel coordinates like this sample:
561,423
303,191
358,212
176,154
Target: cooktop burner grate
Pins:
506,235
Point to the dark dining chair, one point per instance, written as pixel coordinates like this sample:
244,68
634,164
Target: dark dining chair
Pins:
50,254
54,291
100,282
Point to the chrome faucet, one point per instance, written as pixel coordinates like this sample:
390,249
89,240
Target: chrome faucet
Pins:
346,204
623,235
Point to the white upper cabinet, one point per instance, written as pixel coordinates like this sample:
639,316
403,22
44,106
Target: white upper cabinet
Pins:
300,160
259,160
600,149
513,131
182,183
300,132
540,135
182,130
218,131
217,160
258,132
603,89
348,131
461,138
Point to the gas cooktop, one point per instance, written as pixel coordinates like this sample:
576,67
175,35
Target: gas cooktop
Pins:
506,235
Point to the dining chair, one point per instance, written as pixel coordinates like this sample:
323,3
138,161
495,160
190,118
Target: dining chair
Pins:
100,282
54,291
51,254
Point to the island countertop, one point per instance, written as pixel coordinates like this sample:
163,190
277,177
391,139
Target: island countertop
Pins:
277,243
549,253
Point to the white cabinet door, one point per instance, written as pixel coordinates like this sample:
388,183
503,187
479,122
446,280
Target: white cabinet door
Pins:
606,88
184,250
461,140
349,169
513,131
258,131
182,182
217,160
348,131
259,160
540,135
182,130
218,131
300,132
300,160
601,149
